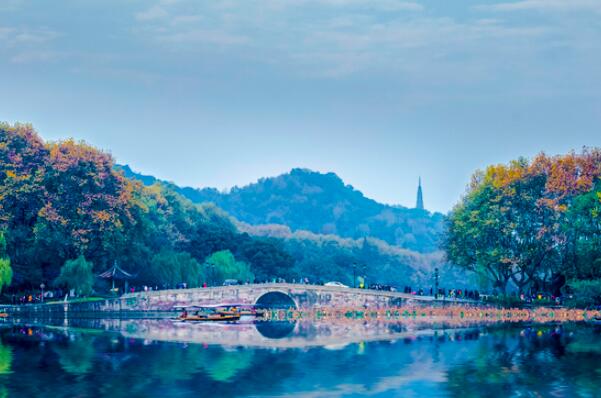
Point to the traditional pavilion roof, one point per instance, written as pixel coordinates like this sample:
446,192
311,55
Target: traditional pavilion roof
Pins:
115,272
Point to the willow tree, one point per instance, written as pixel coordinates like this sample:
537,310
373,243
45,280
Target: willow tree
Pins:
6,272
170,268
77,275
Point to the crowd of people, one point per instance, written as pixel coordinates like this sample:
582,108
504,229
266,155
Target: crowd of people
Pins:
465,294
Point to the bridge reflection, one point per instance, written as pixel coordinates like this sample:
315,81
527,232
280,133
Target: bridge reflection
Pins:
266,334
275,330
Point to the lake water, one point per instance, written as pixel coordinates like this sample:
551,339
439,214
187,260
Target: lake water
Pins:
167,359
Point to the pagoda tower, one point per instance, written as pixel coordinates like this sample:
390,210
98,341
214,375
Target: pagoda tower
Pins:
420,198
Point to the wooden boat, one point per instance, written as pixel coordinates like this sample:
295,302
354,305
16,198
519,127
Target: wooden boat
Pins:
206,314
239,309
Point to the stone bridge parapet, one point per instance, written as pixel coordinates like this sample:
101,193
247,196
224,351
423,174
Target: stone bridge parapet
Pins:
161,303
303,296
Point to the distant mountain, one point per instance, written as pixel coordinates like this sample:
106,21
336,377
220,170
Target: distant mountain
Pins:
320,203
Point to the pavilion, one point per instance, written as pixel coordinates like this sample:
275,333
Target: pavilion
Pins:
117,273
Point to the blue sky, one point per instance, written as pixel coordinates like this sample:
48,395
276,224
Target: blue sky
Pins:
220,93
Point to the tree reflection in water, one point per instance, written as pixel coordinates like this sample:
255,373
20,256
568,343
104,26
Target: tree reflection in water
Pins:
77,354
499,361
6,359
560,361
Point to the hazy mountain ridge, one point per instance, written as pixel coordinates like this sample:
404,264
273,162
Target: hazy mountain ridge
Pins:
330,256
320,203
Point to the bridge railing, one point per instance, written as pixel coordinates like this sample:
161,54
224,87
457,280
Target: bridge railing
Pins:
296,287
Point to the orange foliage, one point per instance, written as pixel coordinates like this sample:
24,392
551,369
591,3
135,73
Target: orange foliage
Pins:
565,175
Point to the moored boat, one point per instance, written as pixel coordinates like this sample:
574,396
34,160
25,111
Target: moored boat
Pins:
206,314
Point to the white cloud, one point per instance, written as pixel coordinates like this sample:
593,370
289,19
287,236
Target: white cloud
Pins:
10,5
23,45
26,57
152,13
11,36
203,36
384,5
346,37
545,5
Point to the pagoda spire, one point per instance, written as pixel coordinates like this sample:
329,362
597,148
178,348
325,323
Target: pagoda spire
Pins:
420,198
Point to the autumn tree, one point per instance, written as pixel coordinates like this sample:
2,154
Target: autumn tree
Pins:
23,157
87,203
530,221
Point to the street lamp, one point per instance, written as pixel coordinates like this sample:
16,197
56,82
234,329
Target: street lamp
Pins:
354,274
42,286
364,271
436,282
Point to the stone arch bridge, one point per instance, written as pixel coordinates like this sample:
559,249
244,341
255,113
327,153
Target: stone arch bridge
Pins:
285,294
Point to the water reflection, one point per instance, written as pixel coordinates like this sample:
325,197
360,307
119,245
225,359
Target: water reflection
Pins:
6,359
494,361
549,362
275,330
76,355
272,334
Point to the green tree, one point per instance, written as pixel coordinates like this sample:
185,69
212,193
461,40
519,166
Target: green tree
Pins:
585,293
3,253
77,274
6,272
472,240
168,268
582,231
222,265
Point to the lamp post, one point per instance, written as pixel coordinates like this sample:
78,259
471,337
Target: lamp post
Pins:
42,286
354,274
364,270
436,282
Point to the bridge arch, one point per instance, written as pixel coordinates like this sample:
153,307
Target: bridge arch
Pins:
276,299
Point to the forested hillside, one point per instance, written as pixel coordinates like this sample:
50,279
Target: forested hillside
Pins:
323,204
330,257
65,205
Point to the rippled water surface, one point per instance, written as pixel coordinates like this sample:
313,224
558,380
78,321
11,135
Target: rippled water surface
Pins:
166,359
